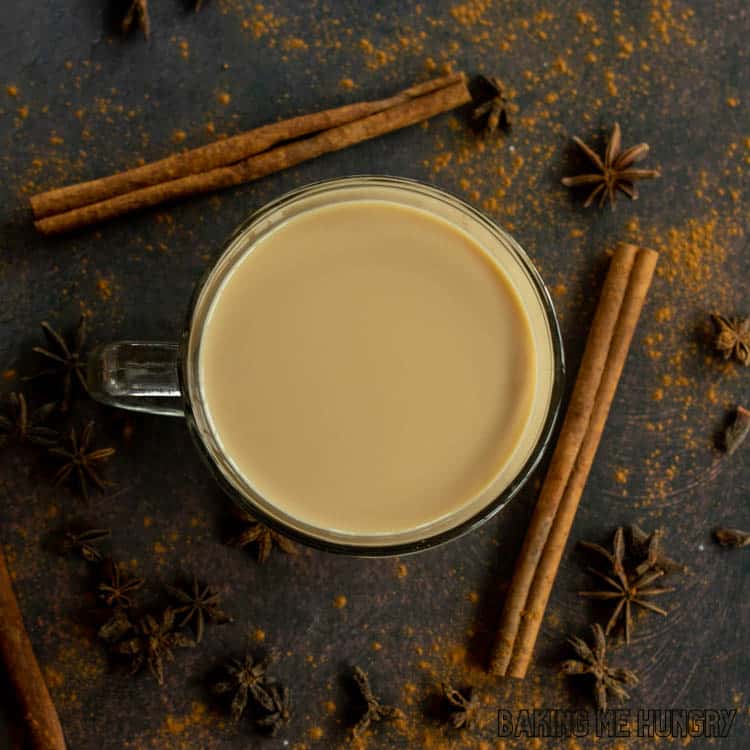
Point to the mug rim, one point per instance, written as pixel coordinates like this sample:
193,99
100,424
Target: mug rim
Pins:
484,513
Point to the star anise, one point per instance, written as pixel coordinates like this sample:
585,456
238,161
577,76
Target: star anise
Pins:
264,537
117,587
649,548
496,108
198,604
68,360
593,661
281,712
153,643
83,541
614,171
16,423
198,5
137,17
247,680
733,338
376,711
628,589
732,537
464,707
80,461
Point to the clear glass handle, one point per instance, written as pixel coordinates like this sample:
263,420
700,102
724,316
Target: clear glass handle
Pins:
137,375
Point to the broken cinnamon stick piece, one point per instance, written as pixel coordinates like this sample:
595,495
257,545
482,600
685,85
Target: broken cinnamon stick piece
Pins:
43,725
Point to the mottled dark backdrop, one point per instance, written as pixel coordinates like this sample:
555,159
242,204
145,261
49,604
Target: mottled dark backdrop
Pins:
77,100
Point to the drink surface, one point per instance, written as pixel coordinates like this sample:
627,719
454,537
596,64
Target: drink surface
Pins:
367,368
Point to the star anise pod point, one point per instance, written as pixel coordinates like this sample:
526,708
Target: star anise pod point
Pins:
732,537
137,17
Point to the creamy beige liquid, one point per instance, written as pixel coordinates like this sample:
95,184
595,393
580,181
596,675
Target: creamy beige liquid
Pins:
367,368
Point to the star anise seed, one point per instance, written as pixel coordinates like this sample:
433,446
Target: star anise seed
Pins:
198,604
593,661
733,338
80,461
68,360
614,171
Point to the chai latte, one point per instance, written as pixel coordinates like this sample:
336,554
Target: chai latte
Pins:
367,367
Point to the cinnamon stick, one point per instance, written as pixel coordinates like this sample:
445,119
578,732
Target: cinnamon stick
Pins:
573,430
43,725
544,578
273,160
614,322
224,152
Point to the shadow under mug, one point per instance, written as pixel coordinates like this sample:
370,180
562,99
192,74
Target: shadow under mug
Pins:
163,378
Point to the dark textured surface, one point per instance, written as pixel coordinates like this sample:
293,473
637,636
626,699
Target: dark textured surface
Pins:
78,101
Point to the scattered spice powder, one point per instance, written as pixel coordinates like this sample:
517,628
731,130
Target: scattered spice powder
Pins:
621,475
104,287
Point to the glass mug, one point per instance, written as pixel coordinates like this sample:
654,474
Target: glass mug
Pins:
164,378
